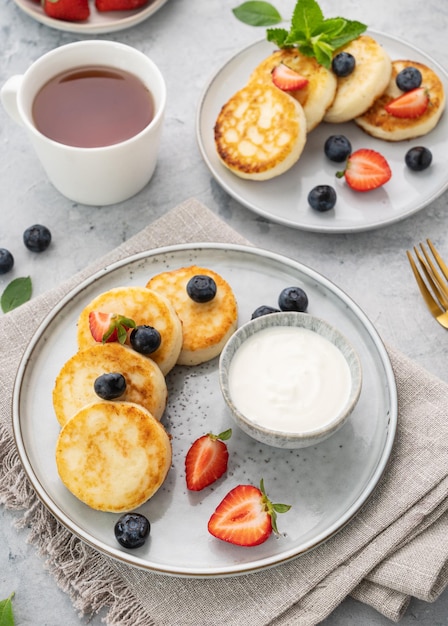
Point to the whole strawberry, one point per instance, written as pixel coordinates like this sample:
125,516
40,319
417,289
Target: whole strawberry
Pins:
246,516
67,10
119,5
206,460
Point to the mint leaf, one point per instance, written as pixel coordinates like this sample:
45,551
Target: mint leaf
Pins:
310,32
16,293
257,13
6,615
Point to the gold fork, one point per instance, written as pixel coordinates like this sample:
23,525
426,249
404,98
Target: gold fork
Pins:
436,275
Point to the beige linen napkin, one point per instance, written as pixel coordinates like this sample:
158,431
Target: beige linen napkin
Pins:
395,548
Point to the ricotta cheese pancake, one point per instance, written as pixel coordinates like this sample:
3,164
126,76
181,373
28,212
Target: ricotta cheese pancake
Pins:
206,325
317,96
74,385
113,456
356,92
260,131
377,122
144,307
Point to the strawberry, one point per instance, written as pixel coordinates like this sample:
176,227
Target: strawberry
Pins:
107,327
365,170
118,5
68,10
287,79
409,105
206,460
246,516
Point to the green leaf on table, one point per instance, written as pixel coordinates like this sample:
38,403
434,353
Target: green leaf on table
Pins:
310,32
257,13
6,615
16,293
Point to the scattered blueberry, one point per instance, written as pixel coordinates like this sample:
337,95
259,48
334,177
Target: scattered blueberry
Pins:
337,148
132,530
110,386
37,238
293,299
6,261
201,288
322,198
418,158
343,64
409,78
264,310
145,339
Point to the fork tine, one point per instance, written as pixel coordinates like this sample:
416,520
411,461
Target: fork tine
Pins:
432,305
433,277
440,262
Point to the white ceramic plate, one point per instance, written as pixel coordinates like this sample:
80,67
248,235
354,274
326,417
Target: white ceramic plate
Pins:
326,484
97,23
284,199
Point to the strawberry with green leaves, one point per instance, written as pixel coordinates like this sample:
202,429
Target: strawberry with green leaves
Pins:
409,105
206,460
287,79
109,327
246,516
365,170
67,10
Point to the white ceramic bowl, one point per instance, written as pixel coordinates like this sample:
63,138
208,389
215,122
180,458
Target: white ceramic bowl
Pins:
307,364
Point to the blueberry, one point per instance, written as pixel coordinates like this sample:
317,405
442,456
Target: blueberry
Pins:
145,339
322,198
37,238
418,158
110,386
409,78
293,299
6,261
343,64
132,530
264,310
337,148
201,288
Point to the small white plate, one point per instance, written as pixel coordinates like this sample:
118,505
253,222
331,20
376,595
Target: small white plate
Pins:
284,199
98,22
325,484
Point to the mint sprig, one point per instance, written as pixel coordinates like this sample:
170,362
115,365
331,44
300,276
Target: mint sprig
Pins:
310,32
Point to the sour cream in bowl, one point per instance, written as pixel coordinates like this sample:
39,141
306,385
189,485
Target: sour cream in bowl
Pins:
290,379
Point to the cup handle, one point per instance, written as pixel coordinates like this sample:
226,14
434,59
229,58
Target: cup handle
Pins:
8,96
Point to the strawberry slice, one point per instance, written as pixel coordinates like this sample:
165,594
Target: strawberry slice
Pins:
67,10
108,327
366,170
287,79
246,516
409,105
206,460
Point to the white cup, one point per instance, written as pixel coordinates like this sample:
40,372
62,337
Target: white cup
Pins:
93,176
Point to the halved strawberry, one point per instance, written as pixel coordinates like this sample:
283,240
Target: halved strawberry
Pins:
67,10
287,79
366,170
246,516
108,327
206,460
410,105
119,5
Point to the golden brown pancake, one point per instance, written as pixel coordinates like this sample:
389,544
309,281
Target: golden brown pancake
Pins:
206,326
113,456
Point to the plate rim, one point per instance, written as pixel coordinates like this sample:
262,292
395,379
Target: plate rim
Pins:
228,187
224,571
92,28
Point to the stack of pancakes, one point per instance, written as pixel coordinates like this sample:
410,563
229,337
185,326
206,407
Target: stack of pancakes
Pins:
261,130
113,455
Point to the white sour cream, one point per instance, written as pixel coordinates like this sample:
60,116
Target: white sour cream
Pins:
289,379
